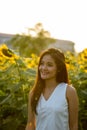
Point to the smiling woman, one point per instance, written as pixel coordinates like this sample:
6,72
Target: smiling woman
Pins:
47,68
52,99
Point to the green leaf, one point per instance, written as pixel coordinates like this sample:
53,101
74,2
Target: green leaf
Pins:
6,99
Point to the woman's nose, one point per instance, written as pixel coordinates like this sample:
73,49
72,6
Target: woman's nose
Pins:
44,67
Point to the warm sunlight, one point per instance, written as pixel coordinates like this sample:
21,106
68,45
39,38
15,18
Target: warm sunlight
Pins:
63,19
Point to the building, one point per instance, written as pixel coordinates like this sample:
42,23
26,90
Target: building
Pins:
64,45
5,37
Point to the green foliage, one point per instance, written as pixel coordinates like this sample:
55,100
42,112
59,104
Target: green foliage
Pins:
15,82
35,41
17,76
77,69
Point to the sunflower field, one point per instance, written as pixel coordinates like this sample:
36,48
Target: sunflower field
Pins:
17,76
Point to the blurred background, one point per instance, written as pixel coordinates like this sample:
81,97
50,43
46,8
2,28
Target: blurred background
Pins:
27,27
63,19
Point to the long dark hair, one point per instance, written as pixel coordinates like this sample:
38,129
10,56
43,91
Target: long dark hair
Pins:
62,75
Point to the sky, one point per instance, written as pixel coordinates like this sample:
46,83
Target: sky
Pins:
64,19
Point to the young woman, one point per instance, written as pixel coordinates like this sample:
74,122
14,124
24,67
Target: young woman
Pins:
53,103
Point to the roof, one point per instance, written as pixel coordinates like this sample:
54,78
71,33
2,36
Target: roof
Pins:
6,35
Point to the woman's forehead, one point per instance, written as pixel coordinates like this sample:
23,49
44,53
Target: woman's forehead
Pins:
48,56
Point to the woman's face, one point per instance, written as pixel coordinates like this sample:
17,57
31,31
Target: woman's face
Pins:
48,68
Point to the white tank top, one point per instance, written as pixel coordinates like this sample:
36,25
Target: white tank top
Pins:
53,113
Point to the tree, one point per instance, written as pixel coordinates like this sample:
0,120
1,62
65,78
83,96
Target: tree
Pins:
35,41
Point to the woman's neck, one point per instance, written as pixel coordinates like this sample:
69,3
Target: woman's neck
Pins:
51,83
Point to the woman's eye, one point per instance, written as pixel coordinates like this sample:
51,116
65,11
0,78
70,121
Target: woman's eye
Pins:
47,64
50,65
41,63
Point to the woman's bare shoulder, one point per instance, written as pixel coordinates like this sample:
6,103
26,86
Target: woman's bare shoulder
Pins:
71,90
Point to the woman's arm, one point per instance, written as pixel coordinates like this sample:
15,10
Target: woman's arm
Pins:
73,107
31,116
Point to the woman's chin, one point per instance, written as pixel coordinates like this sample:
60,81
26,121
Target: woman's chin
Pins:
43,77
